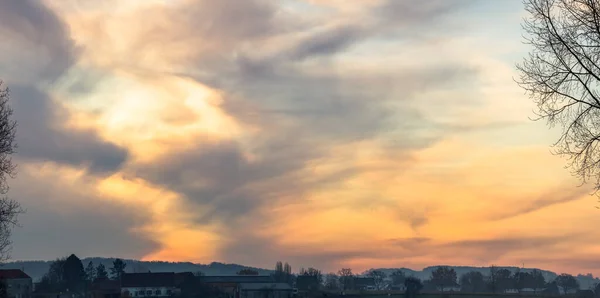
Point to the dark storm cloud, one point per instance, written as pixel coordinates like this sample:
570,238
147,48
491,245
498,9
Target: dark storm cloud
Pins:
41,137
61,219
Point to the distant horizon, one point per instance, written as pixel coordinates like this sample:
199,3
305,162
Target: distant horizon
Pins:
295,269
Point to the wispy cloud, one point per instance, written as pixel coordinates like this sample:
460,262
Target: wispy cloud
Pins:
298,131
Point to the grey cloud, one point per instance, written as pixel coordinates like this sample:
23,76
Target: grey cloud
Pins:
405,12
303,112
327,42
411,244
38,37
261,251
486,251
43,41
559,195
64,219
224,183
40,135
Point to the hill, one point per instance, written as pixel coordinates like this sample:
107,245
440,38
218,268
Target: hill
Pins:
585,281
36,269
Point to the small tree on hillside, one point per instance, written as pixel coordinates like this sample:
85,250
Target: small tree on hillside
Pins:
247,271
443,277
567,282
537,280
472,282
101,273
346,278
413,287
521,280
378,277
118,269
332,282
90,272
312,272
398,277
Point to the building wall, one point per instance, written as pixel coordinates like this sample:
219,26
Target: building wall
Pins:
149,291
265,294
19,288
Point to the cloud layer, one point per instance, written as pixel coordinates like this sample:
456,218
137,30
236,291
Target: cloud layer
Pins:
323,133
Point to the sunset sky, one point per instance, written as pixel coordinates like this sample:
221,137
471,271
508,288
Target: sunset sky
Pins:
325,133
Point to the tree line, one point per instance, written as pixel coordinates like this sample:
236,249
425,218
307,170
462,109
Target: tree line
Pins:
443,278
69,275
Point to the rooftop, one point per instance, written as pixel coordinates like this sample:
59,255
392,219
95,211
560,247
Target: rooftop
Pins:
13,274
265,286
142,280
237,279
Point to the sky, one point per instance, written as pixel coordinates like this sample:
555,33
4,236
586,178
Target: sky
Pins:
324,133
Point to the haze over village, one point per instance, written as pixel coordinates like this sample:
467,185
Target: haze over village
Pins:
299,148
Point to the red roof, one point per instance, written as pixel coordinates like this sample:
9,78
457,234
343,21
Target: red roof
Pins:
12,274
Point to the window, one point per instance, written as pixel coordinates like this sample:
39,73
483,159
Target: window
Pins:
158,292
149,293
169,292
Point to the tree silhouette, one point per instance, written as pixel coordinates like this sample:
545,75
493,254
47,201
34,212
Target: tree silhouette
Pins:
101,273
90,271
537,280
9,209
346,278
398,277
413,287
378,277
331,282
247,271
521,280
562,76
312,272
118,269
472,282
443,277
567,282
74,274
3,289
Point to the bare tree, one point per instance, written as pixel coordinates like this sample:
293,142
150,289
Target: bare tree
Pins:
568,282
9,209
378,277
562,75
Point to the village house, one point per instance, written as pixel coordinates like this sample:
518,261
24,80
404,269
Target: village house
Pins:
18,283
265,290
364,283
106,288
248,286
159,284
307,284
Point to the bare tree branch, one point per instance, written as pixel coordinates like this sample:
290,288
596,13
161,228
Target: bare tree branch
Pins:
562,76
9,209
